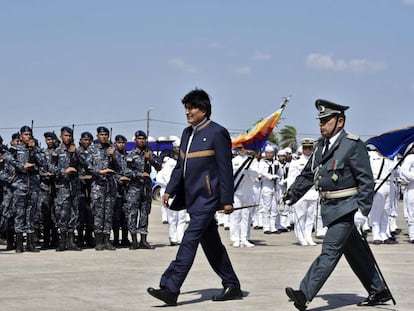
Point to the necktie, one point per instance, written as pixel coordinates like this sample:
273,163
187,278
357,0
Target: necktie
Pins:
326,148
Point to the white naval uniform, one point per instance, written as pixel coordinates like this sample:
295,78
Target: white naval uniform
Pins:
378,216
176,219
304,210
243,196
407,174
270,171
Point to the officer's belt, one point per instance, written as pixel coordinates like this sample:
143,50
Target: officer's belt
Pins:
324,195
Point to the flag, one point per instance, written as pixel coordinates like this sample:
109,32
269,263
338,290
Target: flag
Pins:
393,142
255,138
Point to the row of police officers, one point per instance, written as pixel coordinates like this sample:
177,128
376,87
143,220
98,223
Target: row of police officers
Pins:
62,189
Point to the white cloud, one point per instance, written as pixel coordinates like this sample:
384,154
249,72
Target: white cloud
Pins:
328,62
243,70
182,65
321,61
408,2
363,65
261,56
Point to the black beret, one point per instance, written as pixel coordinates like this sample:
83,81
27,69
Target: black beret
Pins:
87,135
15,136
66,129
102,129
120,138
25,128
327,108
50,134
140,133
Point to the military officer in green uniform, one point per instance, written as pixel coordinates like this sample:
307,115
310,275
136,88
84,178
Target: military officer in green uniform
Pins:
341,172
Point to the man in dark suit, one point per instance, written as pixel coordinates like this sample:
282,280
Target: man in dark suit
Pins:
341,172
202,182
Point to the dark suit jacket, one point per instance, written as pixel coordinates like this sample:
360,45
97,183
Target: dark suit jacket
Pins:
208,181
346,165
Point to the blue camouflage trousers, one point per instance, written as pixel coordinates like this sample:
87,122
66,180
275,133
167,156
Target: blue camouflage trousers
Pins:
137,202
66,210
102,202
25,204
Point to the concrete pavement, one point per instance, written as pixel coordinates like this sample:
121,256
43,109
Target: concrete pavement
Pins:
117,280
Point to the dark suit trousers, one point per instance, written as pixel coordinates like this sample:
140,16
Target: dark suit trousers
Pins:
201,229
342,237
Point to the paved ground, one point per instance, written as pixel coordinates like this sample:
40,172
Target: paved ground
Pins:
117,280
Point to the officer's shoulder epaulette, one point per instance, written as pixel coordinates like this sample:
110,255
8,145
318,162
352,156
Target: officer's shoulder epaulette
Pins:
352,136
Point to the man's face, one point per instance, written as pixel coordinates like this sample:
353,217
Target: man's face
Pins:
50,142
26,137
103,138
194,115
140,141
241,151
120,145
269,155
66,138
85,142
327,125
15,141
307,150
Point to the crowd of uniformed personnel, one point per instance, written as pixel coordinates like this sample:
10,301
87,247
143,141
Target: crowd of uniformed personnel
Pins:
69,197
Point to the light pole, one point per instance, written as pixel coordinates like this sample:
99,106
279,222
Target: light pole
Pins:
148,114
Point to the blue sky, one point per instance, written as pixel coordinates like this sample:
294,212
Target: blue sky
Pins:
103,62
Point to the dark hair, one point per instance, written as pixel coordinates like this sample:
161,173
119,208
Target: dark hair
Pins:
198,99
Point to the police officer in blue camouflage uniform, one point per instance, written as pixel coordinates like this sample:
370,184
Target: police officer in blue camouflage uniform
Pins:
103,165
85,224
8,174
67,191
340,170
47,194
139,197
26,184
119,220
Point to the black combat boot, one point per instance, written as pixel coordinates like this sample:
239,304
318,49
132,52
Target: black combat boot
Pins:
99,241
10,239
70,243
80,241
62,242
116,237
134,244
54,242
107,243
19,242
125,242
46,238
30,245
144,244
89,240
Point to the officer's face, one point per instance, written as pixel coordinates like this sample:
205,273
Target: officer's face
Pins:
140,141
66,138
25,137
50,142
103,137
120,145
269,155
307,150
327,126
85,142
194,115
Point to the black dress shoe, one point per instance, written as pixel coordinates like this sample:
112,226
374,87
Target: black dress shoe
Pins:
390,241
298,298
164,295
229,293
376,299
